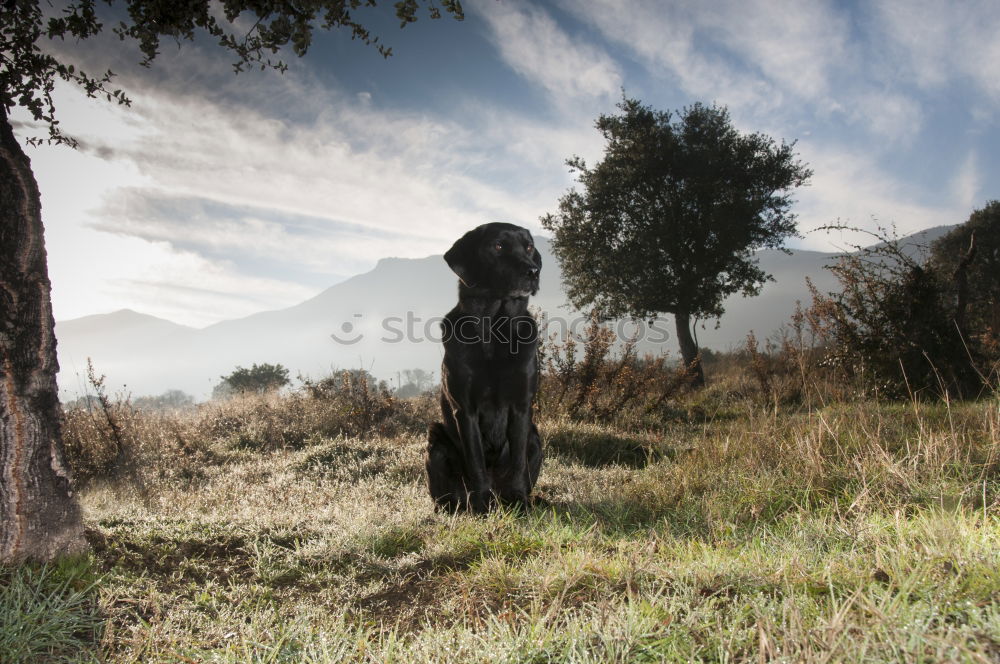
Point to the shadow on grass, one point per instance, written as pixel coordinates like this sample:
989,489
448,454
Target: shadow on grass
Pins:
594,448
426,590
617,518
196,553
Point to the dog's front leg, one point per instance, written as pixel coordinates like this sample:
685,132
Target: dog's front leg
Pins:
480,491
515,491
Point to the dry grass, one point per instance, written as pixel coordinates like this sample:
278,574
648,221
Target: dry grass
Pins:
732,530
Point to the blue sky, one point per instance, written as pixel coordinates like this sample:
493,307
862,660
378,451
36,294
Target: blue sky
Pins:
216,196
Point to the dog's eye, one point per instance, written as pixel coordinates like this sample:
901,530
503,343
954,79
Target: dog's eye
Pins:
531,248
498,246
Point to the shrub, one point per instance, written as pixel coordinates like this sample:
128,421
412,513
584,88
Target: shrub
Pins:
892,327
602,385
98,432
354,403
114,439
258,379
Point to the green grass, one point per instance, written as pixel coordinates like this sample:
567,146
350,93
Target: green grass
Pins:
857,532
49,613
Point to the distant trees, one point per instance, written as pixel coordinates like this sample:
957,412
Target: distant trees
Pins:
417,381
352,380
169,400
258,379
668,221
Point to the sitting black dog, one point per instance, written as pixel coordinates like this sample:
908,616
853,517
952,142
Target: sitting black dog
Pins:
488,449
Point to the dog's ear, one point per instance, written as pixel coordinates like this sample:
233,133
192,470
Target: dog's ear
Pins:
462,257
536,255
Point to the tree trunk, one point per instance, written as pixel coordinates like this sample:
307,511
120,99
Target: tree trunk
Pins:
39,518
689,349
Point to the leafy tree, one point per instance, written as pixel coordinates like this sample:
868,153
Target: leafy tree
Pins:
258,379
668,221
38,517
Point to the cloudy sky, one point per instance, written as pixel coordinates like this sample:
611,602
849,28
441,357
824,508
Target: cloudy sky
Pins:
215,196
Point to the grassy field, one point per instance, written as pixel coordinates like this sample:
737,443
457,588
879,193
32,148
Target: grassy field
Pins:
732,530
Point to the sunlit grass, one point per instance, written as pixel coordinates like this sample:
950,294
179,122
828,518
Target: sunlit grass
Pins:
855,532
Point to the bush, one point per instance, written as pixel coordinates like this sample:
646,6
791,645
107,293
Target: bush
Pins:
354,403
893,326
258,379
112,439
602,385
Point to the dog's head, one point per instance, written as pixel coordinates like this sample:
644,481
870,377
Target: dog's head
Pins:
497,257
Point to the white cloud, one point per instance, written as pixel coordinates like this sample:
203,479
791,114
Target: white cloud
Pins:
894,117
852,189
536,47
371,184
794,44
748,55
93,271
769,61
933,43
967,183
311,244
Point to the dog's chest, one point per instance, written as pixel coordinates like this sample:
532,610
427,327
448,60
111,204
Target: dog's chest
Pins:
493,430
504,376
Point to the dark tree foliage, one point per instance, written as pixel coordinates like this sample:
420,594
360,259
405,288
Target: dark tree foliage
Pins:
668,221
975,286
258,379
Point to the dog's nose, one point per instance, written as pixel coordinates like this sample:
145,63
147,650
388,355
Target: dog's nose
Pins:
532,272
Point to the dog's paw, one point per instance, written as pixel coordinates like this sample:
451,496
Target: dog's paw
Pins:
517,501
448,504
481,502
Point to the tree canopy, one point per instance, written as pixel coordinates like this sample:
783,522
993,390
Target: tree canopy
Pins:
668,220
259,378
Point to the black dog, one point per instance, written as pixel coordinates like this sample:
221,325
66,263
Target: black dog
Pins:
488,448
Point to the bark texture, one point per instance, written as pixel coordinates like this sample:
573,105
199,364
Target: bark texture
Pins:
39,517
689,349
